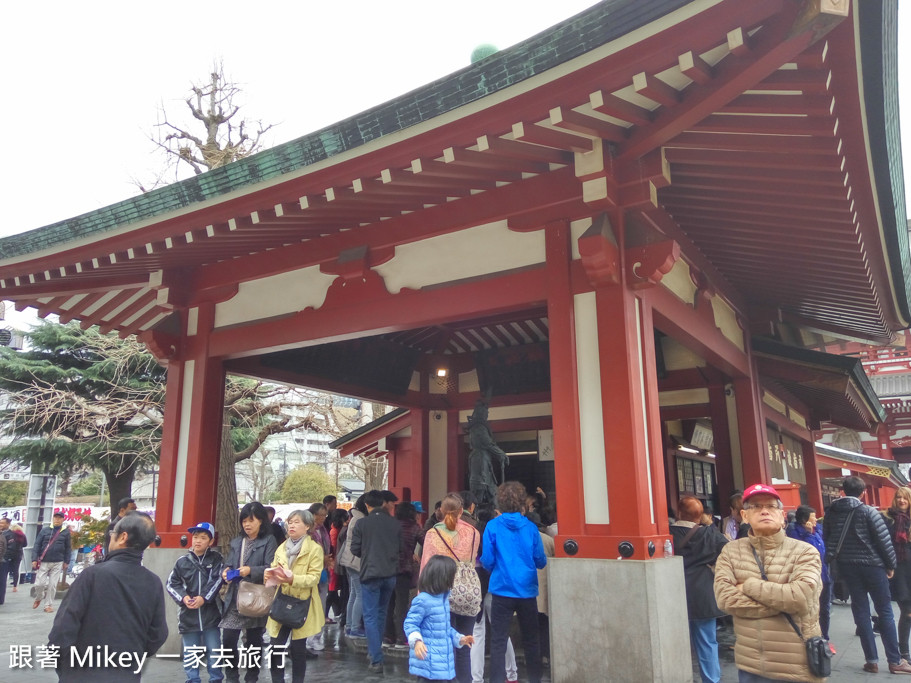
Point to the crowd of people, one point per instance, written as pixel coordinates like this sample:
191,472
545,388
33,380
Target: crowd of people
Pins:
440,590
775,576
436,590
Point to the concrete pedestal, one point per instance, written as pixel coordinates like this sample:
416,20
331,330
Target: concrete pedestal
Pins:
161,562
618,620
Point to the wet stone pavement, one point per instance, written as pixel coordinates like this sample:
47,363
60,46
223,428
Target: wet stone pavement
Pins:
345,660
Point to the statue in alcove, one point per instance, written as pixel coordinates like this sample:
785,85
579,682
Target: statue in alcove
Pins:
485,457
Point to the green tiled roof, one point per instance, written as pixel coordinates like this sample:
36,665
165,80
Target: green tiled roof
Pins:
596,26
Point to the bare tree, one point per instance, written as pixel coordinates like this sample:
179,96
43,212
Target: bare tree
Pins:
259,470
224,135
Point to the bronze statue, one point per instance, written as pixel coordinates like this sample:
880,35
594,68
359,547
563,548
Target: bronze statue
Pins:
484,455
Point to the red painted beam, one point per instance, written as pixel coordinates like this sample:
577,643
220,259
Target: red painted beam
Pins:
387,314
541,191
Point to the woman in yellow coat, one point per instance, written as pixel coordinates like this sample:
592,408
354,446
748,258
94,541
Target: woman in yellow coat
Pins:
304,557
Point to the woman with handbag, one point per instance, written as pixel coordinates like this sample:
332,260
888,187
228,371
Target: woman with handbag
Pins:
460,541
251,554
304,558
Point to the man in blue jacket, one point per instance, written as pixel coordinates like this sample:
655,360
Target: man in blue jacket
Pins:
513,553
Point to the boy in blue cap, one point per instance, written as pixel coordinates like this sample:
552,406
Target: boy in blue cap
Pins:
194,583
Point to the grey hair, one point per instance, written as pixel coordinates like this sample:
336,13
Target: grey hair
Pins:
778,504
303,515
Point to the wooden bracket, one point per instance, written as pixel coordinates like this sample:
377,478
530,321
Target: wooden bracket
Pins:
651,262
163,345
600,253
357,281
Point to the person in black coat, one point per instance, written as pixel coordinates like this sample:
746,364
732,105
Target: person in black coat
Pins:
116,604
866,562
699,546
251,554
376,539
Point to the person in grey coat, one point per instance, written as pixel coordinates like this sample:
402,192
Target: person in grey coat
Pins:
251,554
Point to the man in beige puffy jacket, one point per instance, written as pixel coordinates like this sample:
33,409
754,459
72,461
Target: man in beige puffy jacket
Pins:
767,647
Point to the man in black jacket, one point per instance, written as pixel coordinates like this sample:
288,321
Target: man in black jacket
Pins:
376,540
194,584
866,561
112,618
49,559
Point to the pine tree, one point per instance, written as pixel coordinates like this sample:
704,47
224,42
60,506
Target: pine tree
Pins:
77,399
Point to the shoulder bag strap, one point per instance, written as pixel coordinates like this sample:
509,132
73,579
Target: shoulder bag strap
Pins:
449,547
49,544
688,537
765,578
844,532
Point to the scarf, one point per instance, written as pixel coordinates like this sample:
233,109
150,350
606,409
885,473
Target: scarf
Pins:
902,526
293,548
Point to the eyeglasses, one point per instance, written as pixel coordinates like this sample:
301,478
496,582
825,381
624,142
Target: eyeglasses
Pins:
768,506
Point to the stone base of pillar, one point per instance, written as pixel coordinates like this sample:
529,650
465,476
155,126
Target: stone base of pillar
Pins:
161,561
618,620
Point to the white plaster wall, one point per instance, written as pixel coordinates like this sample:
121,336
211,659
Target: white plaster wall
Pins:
576,228
437,456
726,321
591,421
456,256
679,282
468,382
645,421
273,296
513,412
683,397
183,438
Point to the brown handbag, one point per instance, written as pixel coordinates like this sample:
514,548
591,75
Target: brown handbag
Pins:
253,599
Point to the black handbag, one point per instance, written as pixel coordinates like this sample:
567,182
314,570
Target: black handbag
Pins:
289,611
819,656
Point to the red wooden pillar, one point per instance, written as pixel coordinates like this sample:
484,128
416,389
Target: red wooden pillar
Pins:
191,443
811,470
564,389
721,436
751,428
627,441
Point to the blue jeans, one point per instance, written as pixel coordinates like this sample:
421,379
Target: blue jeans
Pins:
211,639
354,616
376,594
705,642
862,580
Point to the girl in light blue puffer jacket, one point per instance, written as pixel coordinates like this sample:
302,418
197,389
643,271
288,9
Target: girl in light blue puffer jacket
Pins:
430,635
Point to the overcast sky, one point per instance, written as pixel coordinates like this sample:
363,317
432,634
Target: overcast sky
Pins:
82,81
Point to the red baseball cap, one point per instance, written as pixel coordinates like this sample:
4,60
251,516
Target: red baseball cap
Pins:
760,489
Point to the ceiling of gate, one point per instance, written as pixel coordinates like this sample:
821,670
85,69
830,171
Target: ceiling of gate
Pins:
767,187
